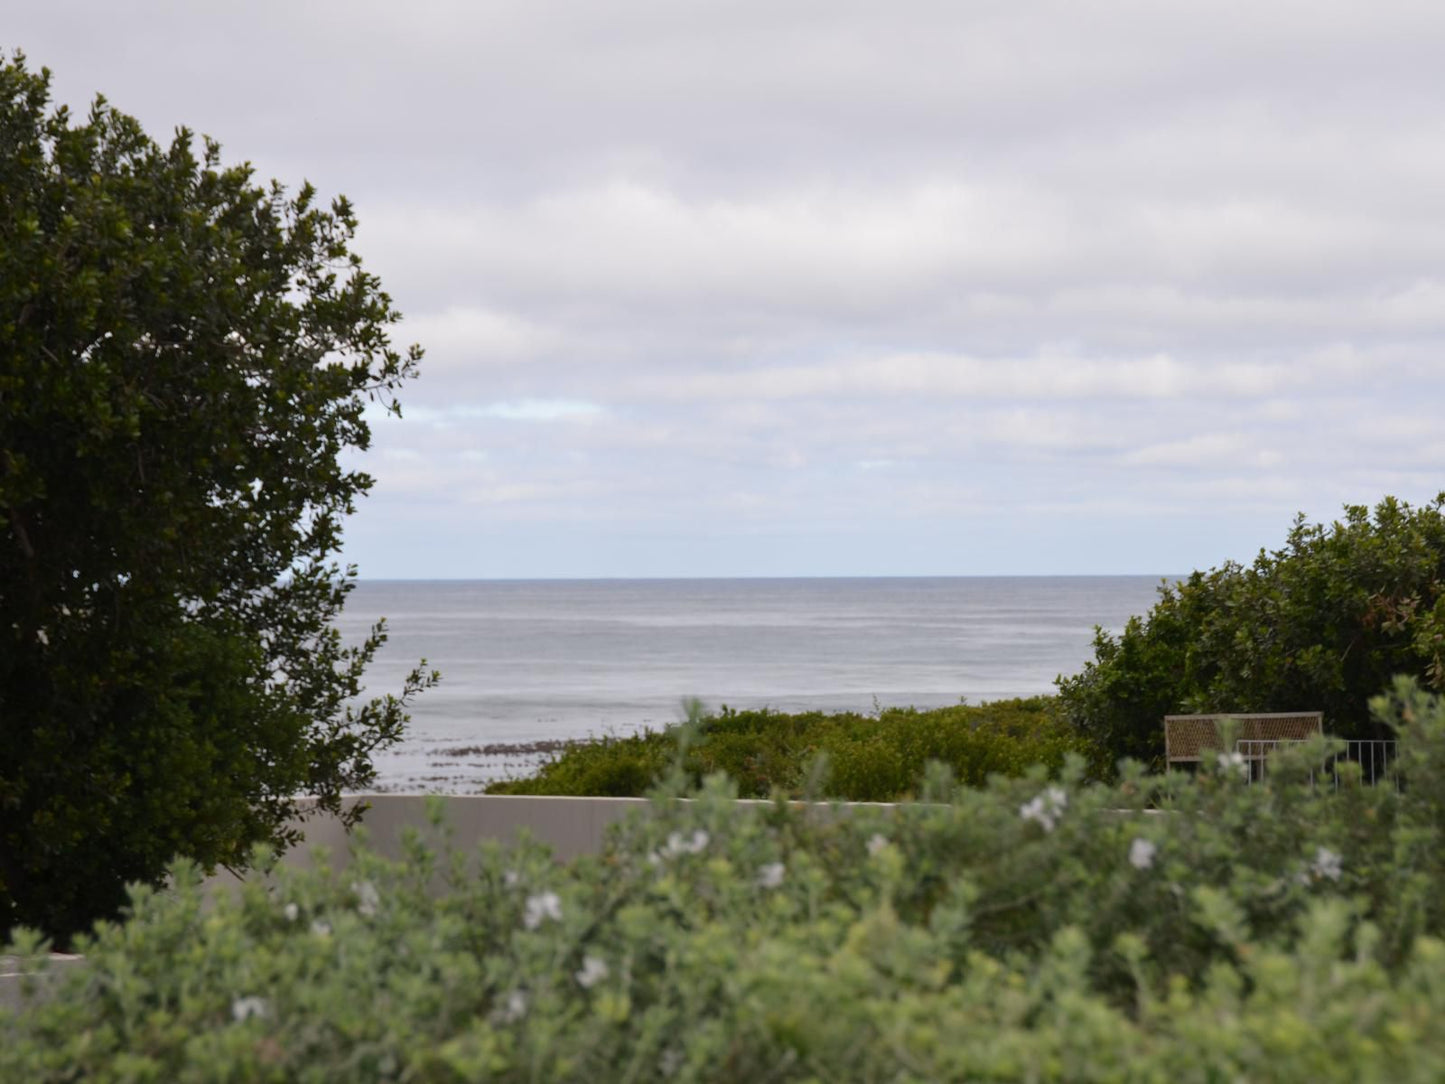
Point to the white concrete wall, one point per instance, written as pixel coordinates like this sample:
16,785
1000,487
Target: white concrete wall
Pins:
12,979
570,826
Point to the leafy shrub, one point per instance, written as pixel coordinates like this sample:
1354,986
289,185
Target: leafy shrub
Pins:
186,359
1320,625
1029,930
868,758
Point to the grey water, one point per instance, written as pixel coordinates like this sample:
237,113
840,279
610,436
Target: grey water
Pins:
524,661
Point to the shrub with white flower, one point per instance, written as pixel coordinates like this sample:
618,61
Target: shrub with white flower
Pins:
243,1008
1233,763
806,917
540,908
694,844
513,1008
677,844
367,898
770,875
593,971
1142,852
1327,864
1046,808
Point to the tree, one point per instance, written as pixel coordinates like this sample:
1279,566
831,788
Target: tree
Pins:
185,359
1322,624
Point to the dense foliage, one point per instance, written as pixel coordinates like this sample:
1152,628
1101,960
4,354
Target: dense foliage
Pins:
1321,624
1031,930
865,758
185,360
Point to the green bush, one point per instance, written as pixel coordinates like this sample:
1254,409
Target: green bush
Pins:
868,758
1320,625
1180,928
186,363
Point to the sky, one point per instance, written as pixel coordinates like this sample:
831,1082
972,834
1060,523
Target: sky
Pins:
799,288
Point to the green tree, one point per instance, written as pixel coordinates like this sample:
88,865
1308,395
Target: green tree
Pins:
1322,624
185,359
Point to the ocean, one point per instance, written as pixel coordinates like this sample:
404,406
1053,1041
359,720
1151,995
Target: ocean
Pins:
542,660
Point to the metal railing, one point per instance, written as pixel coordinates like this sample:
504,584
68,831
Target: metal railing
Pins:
1376,758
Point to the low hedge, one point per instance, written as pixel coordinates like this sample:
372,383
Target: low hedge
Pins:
1165,929
867,758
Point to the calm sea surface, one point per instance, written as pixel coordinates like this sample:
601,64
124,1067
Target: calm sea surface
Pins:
528,660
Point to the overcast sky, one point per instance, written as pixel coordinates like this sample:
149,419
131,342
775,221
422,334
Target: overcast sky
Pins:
904,288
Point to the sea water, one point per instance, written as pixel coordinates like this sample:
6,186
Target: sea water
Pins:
529,661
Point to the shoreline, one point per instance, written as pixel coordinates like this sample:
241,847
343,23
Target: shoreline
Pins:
474,767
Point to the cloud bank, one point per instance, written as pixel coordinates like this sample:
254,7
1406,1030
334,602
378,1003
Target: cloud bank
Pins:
844,288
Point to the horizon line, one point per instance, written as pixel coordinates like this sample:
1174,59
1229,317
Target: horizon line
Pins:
776,577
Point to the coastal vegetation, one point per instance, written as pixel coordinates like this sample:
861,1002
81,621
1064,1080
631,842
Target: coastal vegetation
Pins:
867,758
1174,927
1321,624
186,363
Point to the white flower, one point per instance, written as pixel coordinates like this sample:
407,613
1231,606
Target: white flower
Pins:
677,845
367,898
876,842
42,636
540,908
1142,852
1046,808
321,928
1234,761
510,878
593,971
243,1008
515,1008
1327,864
770,875
291,911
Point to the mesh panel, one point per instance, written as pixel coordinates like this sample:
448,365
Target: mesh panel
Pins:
1187,736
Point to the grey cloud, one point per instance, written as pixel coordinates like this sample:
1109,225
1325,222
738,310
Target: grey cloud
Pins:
846,278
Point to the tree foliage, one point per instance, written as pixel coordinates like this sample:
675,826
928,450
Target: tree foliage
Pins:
185,359
1322,624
